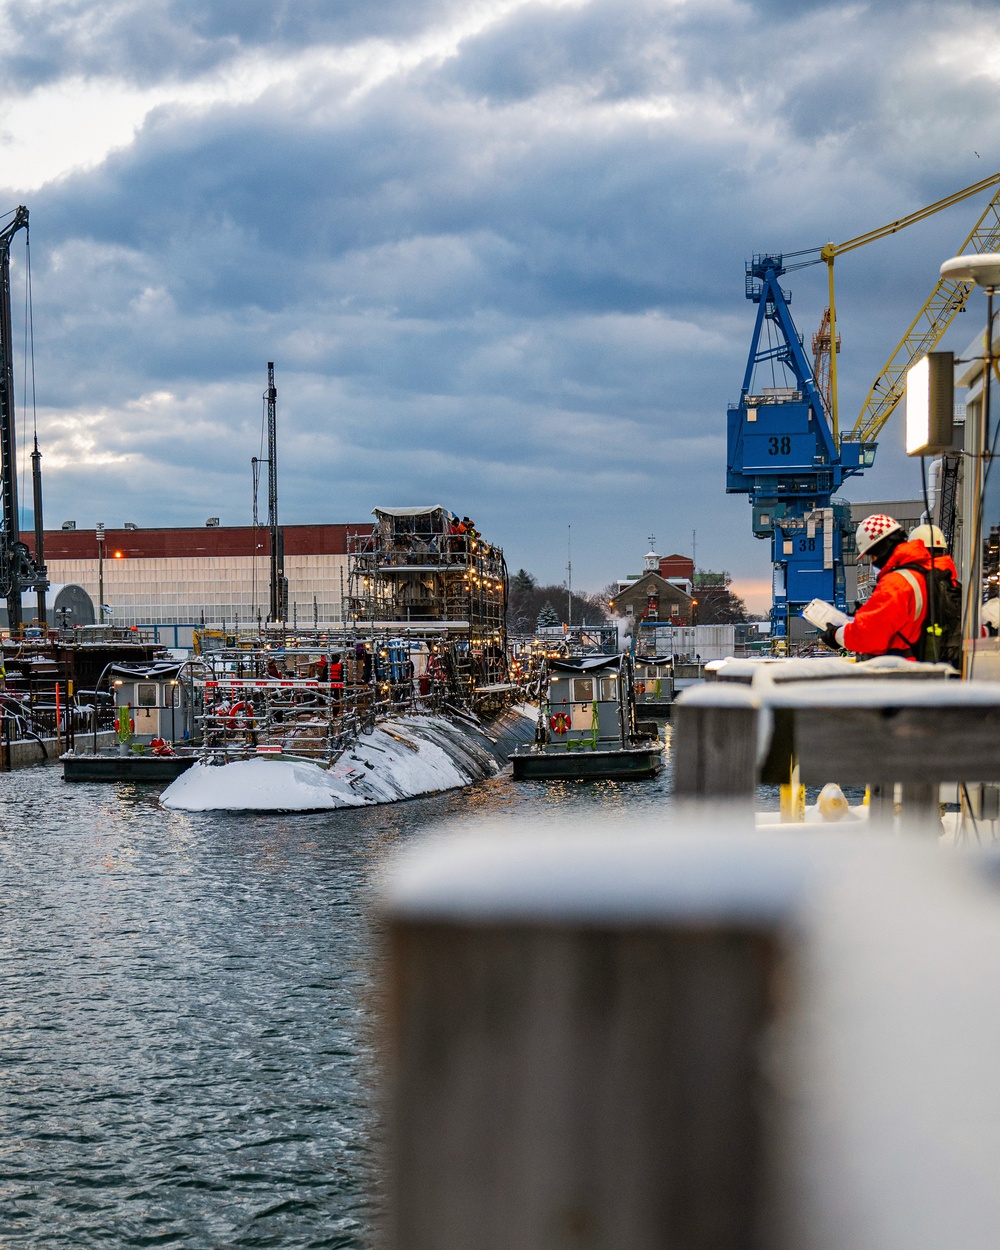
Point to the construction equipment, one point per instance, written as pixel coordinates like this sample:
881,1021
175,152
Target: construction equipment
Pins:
783,454
822,345
785,448
927,328
18,571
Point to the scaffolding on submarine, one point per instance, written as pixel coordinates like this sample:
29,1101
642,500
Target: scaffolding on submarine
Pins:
426,575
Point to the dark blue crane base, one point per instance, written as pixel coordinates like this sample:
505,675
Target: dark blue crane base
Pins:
782,452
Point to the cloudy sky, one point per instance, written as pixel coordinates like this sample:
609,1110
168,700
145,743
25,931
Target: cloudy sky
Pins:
494,247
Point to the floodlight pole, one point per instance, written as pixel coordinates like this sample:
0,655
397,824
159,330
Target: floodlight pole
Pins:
975,584
983,268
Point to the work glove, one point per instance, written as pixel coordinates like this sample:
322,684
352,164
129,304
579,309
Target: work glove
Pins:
828,638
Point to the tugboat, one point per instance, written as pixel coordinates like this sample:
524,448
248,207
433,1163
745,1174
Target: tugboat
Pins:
587,728
154,715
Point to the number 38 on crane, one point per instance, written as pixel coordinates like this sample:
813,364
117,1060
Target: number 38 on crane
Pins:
785,449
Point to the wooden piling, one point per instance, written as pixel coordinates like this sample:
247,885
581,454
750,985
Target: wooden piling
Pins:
715,743
590,1077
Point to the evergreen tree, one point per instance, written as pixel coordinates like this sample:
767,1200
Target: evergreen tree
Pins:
522,581
547,617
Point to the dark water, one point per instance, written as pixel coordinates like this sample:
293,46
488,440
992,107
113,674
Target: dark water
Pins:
186,1038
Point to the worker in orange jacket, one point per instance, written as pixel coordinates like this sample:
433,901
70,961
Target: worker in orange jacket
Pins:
933,539
890,622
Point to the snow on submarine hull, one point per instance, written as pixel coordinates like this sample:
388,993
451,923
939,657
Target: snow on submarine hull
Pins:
401,758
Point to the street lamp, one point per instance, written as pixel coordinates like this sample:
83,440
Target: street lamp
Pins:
984,271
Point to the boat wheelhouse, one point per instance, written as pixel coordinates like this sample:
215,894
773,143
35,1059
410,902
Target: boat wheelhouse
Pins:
654,685
587,727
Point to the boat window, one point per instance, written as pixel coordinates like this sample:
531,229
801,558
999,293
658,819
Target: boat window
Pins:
608,689
145,694
583,689
172,695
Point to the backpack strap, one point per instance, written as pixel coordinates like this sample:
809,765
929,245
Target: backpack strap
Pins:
918,591
918,585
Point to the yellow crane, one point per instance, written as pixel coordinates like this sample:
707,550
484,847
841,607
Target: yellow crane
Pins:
928,326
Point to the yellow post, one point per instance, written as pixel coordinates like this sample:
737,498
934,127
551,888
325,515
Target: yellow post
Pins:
828,255
793,798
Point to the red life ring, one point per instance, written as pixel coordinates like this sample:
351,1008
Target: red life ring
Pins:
240,714
559,722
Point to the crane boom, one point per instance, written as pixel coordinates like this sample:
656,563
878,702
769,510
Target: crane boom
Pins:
830,250
926,330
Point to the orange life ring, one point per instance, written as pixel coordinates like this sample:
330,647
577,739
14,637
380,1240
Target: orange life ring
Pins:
559,722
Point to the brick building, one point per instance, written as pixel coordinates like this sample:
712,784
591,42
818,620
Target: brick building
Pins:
677,568
660,593
652,598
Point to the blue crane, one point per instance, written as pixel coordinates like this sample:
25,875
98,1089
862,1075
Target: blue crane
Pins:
783,453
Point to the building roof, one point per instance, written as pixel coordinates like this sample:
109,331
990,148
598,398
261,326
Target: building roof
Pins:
586,664
194,541
640,586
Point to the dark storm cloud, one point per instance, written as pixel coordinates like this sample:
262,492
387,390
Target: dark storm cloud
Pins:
612,50
509,278
145,41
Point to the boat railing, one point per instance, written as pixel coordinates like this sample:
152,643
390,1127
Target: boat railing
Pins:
426,550
247,712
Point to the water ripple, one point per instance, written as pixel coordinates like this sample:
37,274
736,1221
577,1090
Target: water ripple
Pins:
185,1047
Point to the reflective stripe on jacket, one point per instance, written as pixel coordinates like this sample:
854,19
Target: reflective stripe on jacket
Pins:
892,618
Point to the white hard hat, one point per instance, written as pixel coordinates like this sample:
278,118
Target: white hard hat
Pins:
873,529
929,535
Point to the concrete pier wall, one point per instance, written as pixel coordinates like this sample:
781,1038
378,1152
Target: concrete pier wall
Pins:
37,751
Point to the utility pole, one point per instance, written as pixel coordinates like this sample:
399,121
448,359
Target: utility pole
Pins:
569,575
41,585
694,549
100,572
279,586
